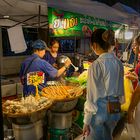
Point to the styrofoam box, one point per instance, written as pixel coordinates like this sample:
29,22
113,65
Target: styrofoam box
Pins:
8,89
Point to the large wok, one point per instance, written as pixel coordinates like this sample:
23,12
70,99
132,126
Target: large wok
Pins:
26,118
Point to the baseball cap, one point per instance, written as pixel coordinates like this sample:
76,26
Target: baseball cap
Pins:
39,44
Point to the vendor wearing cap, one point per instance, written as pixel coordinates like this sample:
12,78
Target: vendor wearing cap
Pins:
35,63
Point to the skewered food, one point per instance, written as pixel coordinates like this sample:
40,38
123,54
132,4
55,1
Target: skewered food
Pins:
59,92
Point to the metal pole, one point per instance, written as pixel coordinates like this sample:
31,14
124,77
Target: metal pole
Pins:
23,21
137,51
1,114
39,13
136,56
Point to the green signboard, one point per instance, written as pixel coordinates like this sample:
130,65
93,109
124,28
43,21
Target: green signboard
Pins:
63,23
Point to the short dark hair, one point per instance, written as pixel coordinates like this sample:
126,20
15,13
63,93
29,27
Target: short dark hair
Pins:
105,38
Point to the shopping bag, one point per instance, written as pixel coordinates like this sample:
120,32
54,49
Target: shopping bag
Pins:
128,89
80,137
131,130
127,133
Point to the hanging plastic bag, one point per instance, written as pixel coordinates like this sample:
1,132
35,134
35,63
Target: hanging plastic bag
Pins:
128,89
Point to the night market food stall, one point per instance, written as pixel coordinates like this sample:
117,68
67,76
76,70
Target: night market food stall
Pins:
69,28
65,25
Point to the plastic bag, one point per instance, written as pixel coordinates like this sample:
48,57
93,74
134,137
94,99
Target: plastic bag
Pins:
127,133
131,130
89,137
80,137
128,89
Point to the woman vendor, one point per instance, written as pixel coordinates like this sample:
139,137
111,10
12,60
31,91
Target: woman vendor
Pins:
35,63
52,54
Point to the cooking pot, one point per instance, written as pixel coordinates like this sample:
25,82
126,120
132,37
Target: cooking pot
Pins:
59,120
61,60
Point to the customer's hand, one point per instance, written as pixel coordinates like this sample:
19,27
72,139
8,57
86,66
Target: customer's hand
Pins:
86,130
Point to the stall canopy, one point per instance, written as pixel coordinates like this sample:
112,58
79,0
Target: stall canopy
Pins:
13,12
124,8
88,7
133,16
30,13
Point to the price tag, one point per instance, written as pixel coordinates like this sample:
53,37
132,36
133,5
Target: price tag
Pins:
35,78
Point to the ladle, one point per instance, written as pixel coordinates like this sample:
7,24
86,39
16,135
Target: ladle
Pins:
76,68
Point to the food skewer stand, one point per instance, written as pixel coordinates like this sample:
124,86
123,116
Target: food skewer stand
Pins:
27,118
64,24
60,114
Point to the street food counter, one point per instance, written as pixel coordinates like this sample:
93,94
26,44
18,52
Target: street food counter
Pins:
28,114
53,111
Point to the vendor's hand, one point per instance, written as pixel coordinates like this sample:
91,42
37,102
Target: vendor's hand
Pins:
130,116
67,62
55,65
86,130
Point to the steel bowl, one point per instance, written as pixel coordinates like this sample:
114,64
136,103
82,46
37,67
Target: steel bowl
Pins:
27,119
64,106
61,60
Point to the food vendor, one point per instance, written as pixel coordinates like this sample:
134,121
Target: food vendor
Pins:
35,63
52,54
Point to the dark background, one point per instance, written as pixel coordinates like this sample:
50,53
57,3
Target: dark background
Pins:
135,4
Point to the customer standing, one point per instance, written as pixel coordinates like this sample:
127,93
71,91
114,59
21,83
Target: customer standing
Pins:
135,101
104,86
